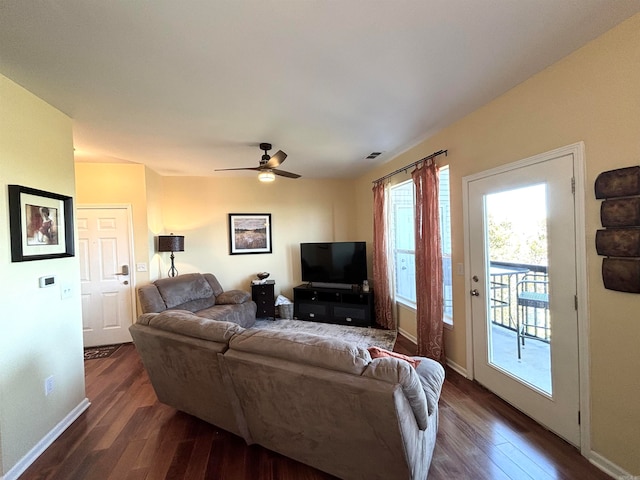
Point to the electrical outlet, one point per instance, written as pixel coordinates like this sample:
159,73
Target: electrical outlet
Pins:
49,385
66,291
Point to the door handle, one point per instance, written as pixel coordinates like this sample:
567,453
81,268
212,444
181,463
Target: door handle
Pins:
475,292
125,270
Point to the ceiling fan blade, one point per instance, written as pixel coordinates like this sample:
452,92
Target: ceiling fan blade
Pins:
282,173
243,168
276,159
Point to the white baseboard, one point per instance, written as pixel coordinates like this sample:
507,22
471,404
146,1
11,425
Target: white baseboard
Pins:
31,456
457,368
610,468
408,336
453,365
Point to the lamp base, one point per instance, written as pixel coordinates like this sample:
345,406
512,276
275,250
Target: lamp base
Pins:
173,271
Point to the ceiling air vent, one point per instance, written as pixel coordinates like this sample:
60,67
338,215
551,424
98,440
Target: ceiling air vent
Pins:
373,155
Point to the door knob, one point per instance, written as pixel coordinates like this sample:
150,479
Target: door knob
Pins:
475,292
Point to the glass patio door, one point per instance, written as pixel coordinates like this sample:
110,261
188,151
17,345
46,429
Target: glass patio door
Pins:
521,235
518,318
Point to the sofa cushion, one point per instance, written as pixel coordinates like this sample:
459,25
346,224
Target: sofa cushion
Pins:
186,323
215,284
431,376
244,314
394,370
150,299
184,288
304,348
233,297
196,305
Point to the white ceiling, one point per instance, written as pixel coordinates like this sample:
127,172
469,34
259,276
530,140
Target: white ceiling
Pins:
189,86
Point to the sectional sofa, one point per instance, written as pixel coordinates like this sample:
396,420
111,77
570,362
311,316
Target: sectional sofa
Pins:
318,400
201,294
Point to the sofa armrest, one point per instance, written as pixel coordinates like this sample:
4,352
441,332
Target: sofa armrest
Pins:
431,376
150,299
233,297
145,318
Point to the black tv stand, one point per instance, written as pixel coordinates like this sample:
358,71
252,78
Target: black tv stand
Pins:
333,305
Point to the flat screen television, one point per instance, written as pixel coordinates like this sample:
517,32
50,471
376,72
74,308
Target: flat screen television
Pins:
334,263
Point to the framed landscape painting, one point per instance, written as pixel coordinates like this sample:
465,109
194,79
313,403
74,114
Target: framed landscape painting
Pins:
249,233
41,224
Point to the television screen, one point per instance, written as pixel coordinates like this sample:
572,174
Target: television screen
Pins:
334,262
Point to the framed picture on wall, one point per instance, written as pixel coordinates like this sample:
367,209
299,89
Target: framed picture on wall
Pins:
40,223
249,233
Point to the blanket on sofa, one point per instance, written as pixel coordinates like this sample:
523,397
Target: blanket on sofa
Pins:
360,336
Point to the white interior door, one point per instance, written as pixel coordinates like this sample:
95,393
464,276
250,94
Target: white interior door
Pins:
523,287
105,266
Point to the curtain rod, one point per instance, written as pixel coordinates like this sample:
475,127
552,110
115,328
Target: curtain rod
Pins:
407,167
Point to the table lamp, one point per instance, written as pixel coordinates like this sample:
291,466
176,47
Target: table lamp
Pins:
171,243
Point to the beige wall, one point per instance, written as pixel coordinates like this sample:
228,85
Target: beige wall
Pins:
40,334
301,211
198,207
591,96
118,184
154,220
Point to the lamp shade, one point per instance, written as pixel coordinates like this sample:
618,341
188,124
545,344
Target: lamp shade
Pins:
171,243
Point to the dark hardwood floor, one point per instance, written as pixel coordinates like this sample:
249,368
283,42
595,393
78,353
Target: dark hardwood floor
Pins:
127,435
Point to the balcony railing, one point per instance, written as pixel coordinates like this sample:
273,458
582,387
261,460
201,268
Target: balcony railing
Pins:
519,299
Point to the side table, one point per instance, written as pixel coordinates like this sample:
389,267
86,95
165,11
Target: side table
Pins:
264,296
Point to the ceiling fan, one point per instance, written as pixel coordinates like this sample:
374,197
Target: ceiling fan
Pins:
268,165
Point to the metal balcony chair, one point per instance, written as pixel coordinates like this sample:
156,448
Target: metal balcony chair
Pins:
533,295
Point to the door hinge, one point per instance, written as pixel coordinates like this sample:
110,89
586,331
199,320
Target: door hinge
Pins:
575,302
579,417
573,185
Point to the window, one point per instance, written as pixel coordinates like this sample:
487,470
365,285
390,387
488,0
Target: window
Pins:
445,239
404,251
402,228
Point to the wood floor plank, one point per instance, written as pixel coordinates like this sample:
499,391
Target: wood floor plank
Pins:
129,456
127,434
197,466
162,460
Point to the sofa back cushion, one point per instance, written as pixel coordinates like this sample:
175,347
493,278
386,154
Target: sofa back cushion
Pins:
304,348
394,370
176,291
150,299
186,323
215,284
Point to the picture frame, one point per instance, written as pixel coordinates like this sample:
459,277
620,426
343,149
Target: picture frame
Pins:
40,224
249,233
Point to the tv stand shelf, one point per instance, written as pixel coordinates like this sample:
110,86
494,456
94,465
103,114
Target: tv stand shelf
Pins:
333,305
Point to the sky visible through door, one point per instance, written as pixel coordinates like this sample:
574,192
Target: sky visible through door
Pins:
519,320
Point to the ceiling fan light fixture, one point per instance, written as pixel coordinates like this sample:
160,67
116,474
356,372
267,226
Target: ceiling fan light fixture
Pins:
266,176
268,167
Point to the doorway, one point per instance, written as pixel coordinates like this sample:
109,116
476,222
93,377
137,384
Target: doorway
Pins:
526,269
104,246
